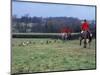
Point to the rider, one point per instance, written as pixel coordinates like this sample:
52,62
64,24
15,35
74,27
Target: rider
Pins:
85,27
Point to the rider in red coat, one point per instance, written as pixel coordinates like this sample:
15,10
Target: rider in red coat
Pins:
85,27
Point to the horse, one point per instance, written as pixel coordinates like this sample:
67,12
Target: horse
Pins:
65,36
87,37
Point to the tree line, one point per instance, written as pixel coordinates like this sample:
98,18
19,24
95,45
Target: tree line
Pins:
26,24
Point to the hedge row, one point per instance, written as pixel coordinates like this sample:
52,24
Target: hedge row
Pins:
45,35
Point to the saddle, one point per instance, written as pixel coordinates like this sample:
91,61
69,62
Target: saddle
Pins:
86,33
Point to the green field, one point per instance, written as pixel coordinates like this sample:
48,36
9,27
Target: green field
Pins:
56,55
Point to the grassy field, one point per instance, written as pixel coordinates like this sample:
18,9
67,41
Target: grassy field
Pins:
56,55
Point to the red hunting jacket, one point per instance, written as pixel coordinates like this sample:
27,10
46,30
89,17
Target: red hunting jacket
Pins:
85,26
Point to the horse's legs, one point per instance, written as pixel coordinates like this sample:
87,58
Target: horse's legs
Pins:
85,43
80,40
90,39
89,43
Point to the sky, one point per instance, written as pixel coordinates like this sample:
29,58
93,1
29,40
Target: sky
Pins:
53,10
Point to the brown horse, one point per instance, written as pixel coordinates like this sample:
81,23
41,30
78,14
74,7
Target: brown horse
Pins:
86,37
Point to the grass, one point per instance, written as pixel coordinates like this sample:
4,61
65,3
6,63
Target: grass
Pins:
40,56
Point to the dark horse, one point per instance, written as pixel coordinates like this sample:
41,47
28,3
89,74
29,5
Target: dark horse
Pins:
86,37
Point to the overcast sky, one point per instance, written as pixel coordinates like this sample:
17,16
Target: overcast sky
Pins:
53,10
